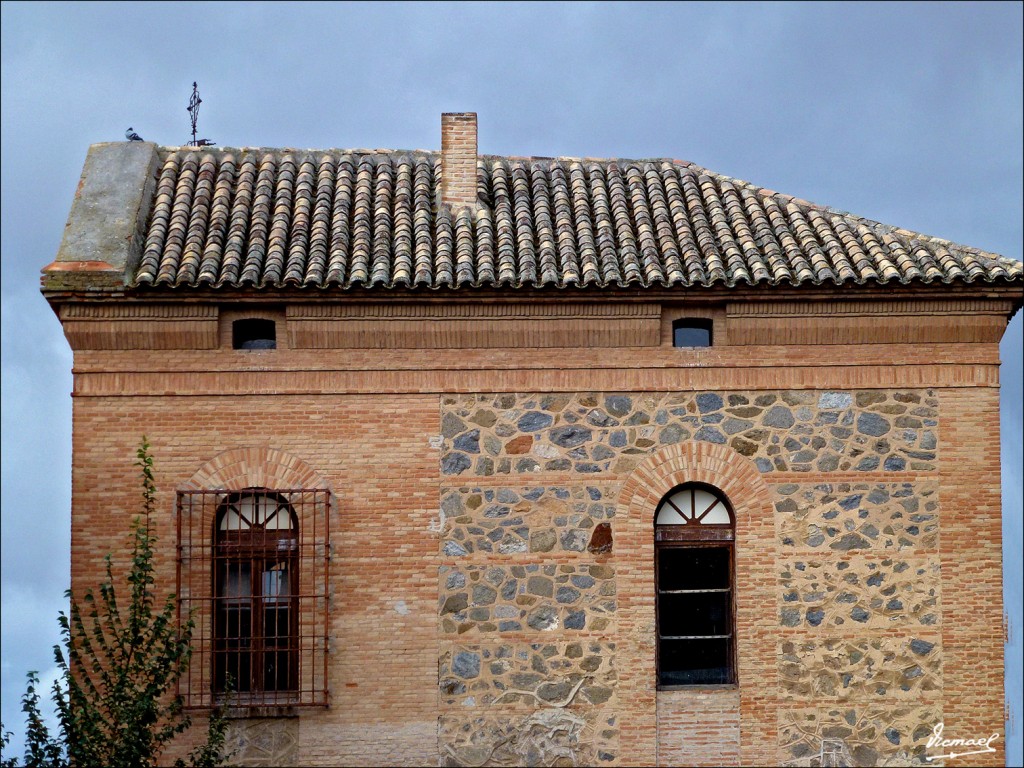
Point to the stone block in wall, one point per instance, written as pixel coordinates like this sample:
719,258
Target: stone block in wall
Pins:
510,521
879,668
862,735
526,598
262,741
859,592
548,736
844,517
589,433
579,674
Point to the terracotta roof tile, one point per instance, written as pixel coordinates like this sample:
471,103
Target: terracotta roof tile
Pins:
368,217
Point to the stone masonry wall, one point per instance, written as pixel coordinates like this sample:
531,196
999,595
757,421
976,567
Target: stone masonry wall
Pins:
879,668
798,431
526,608
507,521
858,516
859,605
478,599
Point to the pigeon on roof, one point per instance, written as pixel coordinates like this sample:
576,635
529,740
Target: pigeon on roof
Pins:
131,135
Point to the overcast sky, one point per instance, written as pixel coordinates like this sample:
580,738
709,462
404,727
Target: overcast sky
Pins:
906,114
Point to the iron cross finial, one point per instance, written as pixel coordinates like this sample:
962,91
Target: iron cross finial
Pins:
193,111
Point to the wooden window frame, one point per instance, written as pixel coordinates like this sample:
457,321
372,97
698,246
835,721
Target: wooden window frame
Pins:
689,536
256,546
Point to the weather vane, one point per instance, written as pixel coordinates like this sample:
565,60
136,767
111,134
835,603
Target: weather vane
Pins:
193,111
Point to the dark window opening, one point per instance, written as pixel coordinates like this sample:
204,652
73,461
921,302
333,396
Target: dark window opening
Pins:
254,333
691,332
694,582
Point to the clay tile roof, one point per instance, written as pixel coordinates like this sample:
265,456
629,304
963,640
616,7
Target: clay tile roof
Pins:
277,218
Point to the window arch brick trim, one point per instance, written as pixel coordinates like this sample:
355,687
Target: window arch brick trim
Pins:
756,611
254,467
694,462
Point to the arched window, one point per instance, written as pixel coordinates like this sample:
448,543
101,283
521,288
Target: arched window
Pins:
693,535
255,594
253,573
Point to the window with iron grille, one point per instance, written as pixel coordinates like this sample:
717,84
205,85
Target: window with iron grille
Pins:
252,573
694,536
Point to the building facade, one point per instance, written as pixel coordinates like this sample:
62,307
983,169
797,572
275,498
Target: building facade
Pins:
473,460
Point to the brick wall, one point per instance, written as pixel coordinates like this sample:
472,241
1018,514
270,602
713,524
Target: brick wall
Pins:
424,449
700,727
458,159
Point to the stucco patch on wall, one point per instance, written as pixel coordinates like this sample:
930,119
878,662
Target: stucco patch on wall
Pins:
548,736
859,592
862,735
844,517
262,742
878,668
576,673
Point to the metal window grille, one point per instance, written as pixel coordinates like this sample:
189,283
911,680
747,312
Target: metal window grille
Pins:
253,575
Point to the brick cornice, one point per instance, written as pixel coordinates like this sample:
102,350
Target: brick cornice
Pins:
501,310
894,306
121,310
537,322
381,380
1011,292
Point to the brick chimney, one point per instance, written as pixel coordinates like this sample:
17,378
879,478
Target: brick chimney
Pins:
458,160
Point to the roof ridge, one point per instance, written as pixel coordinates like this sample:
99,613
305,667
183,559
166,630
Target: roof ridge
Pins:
221,150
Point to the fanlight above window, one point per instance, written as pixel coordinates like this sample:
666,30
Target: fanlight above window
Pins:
691,505
255,510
